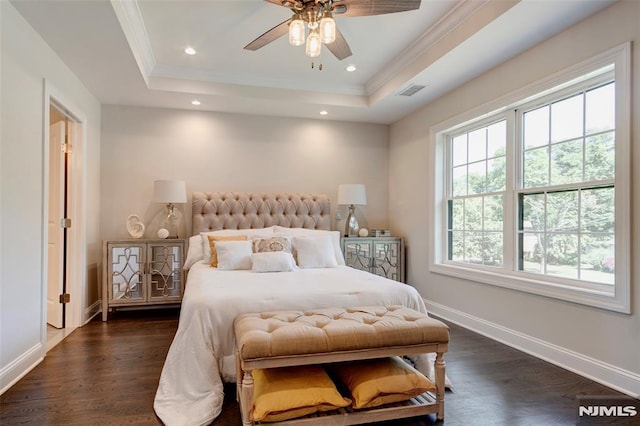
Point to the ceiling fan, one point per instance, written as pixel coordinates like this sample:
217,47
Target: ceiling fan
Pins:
317,15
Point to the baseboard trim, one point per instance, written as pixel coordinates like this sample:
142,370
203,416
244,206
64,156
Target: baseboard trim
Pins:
92,311
609,375
20,366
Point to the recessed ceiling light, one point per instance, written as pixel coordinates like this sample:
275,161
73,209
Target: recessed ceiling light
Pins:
351,68
190,51
323,112
195,102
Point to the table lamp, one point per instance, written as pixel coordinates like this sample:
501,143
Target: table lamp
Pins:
170,192
352,194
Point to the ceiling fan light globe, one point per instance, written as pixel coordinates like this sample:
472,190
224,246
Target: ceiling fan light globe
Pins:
296,32
313,45
327,29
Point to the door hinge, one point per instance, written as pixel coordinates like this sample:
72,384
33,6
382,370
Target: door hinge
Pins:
65,298
65,147
65,222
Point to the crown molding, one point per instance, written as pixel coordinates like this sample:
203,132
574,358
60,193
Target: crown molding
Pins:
128,14
199,74
461,12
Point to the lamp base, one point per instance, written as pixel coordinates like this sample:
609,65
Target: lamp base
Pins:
351,227
171,221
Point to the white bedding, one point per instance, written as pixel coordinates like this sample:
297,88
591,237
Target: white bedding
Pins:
201,355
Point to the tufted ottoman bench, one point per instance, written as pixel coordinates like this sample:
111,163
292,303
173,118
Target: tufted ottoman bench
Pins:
294,338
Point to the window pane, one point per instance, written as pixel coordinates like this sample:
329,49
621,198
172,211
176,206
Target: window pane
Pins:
536,167
536,127
562,211
493,213
562,255
492,249
497,139
496,174
459,150
477,177
600,157
473,214
478,145
457,214
533,213
567,119
598,259
457,246
600,109
459,180
566,162
597,208
533,253
473,247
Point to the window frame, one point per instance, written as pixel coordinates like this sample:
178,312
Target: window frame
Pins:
508,276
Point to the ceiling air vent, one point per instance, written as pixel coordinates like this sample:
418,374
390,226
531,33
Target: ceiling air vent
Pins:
411,90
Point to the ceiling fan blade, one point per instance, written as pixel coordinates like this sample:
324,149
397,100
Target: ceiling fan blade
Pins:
375,7
340,48
269,36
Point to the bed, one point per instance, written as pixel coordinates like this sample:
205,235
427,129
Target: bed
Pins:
201,356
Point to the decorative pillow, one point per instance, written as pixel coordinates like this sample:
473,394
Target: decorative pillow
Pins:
213,248
233,255
194,253
249,233
315,252
305,232
289,392
374,382
273,261
263,245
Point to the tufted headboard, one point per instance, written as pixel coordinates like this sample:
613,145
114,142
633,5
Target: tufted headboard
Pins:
212,211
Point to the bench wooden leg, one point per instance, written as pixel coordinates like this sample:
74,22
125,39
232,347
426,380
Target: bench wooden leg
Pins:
440,374
238,376
246,398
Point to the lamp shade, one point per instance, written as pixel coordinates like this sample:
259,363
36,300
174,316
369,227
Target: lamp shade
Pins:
352,193
169,191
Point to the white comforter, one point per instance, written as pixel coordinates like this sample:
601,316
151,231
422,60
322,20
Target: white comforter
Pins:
201,355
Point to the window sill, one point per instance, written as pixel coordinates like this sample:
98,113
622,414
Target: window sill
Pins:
530,283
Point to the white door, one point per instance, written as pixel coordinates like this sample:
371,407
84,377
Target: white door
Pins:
55,231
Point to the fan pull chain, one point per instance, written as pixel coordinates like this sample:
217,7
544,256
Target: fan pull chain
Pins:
313,66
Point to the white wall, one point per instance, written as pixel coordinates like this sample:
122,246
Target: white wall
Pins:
599,343
25,62
229,152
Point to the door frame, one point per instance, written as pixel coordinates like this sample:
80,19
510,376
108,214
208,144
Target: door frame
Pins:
76,235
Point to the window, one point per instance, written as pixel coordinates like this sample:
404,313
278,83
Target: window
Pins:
535,195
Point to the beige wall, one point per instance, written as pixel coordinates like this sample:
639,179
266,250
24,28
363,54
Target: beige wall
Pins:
229,152
26,62
589,338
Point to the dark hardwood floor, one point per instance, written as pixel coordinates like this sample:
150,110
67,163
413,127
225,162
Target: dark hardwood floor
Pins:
107,374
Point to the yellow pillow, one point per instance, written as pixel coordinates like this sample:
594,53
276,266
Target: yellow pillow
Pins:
374,382
212,244
289,392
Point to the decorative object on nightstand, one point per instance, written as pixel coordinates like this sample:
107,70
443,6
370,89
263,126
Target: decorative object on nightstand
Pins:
141,273
382,256
352,194
135,227
170,192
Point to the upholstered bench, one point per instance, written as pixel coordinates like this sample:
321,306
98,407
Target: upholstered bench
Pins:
271,340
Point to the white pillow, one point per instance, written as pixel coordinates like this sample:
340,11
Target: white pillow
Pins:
234,255
315,252
250,233
194,252
273,261
300,232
